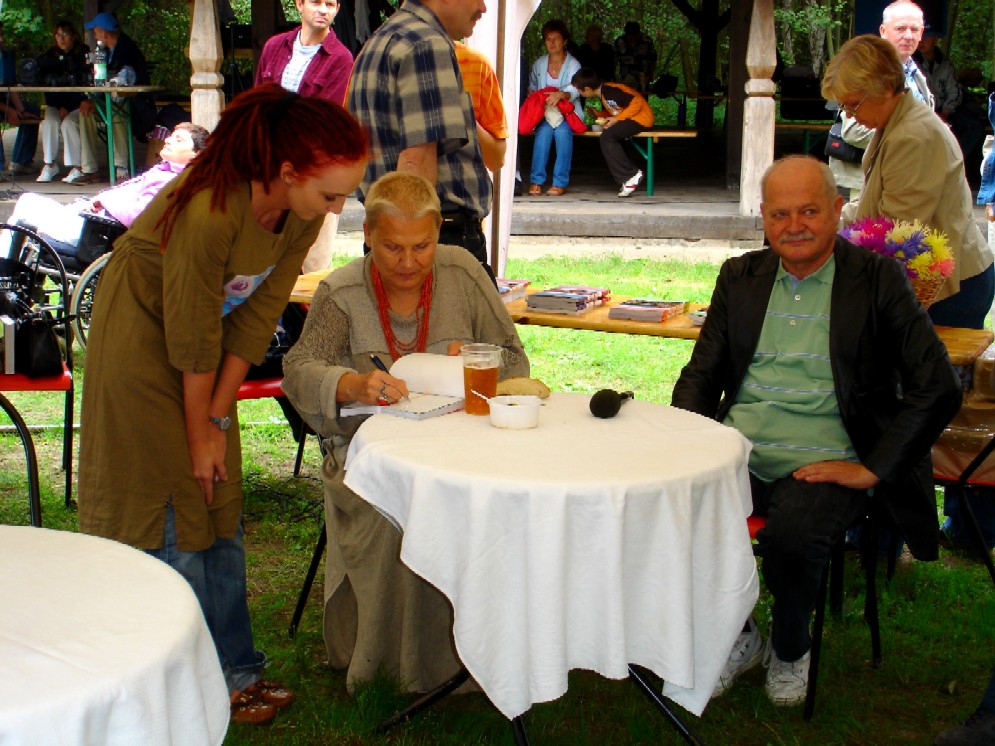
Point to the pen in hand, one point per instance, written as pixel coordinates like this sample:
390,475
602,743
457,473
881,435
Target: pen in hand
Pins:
380,366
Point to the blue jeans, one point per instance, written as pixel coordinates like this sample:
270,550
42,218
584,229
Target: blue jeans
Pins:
544,137
217,576
969,307
25,143
956,525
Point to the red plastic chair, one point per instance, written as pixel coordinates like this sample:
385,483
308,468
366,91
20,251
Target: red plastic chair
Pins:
834,570
963,481
27,247
265,388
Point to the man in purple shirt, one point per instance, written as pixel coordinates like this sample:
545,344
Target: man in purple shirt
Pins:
309,60
124,202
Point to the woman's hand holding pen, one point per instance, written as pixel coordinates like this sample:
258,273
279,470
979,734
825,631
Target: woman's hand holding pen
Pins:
389,389
374,387
383,389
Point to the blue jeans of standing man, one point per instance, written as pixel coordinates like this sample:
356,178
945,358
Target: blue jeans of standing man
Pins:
544,137
217,576
969,307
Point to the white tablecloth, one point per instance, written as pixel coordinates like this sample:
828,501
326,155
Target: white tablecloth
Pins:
584,543
102,644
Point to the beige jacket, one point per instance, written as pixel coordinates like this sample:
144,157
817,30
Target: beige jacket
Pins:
914,170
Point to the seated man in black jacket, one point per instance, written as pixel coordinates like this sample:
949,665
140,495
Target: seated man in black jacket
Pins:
126,65
820,354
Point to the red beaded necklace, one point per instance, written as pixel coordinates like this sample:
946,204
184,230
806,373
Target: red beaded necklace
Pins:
394,345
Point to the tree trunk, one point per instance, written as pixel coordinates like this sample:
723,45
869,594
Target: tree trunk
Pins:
816,42
787,40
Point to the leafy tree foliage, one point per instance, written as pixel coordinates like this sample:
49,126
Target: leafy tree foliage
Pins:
809,31
161,28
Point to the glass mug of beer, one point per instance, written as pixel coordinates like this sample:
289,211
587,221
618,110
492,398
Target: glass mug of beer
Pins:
480,373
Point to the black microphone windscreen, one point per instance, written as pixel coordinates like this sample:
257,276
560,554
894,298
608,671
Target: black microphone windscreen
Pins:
606,403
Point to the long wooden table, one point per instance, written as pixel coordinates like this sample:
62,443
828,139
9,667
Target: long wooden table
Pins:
103,97
963,345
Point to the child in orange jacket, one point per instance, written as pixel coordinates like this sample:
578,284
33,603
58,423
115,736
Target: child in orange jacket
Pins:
628,113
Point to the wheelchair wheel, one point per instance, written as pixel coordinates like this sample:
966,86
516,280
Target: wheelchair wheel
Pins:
30,459
82,300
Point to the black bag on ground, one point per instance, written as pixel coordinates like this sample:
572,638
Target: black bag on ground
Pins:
36,347
837,147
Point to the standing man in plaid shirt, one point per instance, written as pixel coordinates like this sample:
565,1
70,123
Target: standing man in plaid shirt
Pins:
407,90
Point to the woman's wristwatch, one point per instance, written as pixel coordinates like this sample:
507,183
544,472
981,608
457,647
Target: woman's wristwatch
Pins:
222,423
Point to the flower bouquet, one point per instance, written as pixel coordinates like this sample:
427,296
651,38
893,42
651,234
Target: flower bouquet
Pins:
925,253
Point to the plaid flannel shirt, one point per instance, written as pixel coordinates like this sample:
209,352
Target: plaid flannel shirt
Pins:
406,89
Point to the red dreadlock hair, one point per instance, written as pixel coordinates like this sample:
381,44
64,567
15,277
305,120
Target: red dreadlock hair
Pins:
260,130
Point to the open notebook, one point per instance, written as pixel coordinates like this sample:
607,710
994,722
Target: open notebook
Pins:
435,384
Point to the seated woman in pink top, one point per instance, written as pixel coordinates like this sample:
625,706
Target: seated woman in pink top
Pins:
63,223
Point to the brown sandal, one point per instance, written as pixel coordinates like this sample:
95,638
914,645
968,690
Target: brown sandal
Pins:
249,708
271,693
535,190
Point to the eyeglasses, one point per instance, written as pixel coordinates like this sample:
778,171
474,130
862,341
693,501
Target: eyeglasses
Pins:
852,108
62,34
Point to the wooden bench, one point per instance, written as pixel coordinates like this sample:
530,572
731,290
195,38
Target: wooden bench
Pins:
651,136
807,129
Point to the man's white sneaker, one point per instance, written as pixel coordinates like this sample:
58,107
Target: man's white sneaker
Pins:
787,681
746,653
630,186
75,176
48,172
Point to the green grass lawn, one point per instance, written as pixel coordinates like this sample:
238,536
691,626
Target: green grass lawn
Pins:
936,618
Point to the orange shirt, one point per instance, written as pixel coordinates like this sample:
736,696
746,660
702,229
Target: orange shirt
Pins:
624,102
481,82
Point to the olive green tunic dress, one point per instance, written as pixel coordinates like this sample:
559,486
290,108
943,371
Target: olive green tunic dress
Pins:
220,286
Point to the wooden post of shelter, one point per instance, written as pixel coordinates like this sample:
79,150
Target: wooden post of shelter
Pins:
207,98
758,110
739,25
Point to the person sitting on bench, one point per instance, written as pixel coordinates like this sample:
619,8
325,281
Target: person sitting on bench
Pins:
64,222
625,113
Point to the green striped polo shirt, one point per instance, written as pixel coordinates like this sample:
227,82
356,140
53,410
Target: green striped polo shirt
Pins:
787,405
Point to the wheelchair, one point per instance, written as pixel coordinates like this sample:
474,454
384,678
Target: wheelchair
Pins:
83,264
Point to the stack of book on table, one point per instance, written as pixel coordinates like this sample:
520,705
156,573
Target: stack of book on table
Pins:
512,289
647,309
571,299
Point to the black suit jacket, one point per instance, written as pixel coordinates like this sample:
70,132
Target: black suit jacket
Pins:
894,383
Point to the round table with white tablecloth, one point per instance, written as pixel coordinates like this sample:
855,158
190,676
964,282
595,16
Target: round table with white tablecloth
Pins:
583,543
102,644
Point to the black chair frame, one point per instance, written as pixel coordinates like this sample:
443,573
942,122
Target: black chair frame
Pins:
30,249
964,481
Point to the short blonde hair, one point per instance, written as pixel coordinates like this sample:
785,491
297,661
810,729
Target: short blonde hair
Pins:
402,193
867,65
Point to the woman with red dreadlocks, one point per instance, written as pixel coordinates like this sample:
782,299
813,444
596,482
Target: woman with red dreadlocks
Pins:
186,304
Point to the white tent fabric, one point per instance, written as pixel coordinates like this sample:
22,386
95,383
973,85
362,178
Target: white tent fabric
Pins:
503,25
